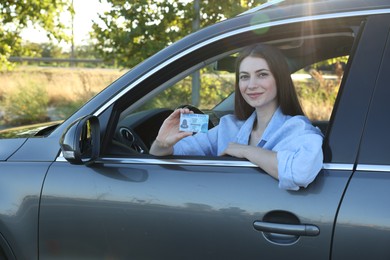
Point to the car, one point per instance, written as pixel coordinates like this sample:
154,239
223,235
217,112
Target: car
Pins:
87,188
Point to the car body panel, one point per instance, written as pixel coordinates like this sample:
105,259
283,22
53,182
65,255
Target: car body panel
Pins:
128,207
9,146
376,142
40,149
353,102
20,191
362,230
364,213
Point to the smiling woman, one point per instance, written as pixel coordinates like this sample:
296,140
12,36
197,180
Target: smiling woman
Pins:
268,127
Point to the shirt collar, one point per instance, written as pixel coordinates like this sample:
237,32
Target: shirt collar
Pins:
277,120
246,129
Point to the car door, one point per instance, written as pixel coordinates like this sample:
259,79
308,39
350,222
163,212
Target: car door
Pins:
146,207
363,223
192,209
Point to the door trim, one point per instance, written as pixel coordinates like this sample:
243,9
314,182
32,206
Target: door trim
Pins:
199,162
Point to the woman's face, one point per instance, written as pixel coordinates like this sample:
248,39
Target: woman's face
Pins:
257,84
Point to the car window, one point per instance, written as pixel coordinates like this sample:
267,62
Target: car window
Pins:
317,87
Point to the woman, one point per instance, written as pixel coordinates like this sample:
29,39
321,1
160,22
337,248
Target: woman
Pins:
268,127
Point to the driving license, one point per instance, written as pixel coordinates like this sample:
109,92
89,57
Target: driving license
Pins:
194,123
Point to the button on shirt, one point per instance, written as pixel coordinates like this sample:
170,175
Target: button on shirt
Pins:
296,141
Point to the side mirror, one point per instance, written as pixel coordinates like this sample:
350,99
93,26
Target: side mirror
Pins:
80,142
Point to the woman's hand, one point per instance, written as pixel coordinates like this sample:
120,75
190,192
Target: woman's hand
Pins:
169,133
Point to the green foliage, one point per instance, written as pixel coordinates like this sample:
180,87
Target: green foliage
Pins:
86,52
135,30
38,50
318,96
318,91
330,63
26,105
16,15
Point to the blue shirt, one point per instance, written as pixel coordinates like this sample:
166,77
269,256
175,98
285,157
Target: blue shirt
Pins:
296,141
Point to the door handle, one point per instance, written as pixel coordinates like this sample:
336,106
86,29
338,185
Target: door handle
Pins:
287,229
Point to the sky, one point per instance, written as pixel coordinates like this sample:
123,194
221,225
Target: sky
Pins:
85,12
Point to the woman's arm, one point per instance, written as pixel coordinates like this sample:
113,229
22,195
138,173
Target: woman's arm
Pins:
263,158
299,167
295,164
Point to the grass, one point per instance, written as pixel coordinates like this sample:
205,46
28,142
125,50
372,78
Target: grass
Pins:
60,83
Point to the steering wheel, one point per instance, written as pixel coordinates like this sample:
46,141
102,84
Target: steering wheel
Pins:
130,139
196,111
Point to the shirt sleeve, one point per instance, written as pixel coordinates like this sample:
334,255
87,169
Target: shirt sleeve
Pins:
299,156
203,144
211,143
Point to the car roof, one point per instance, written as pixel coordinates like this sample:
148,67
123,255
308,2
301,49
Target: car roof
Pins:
336,5
301,52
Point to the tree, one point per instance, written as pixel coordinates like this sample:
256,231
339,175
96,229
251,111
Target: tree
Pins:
16,15
38,50
134,30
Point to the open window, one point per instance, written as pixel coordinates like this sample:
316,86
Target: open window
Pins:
205,79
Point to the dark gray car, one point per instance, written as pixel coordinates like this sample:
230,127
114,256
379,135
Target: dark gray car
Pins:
102,196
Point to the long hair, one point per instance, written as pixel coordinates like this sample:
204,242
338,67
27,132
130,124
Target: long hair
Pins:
286,96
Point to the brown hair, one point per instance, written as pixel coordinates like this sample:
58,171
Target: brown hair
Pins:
286,96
